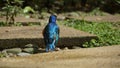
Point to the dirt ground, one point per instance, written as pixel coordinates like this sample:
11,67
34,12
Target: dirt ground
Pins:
100,57
105,18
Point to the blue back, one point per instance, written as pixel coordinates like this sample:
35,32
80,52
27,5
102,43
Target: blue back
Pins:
51,34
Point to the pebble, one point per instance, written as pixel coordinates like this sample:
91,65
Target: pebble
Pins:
12,55
23,54
75,47
66,48
28,45
30,50
31,46
13,50
57,49
4,54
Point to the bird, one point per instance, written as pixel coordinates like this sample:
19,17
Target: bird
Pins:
51,34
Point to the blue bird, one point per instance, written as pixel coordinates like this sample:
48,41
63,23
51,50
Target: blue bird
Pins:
51,34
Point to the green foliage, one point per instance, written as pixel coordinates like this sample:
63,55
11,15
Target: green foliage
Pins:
2,55
96,12
92,43
28,9
2,24
5,24
118,1
66,5
107,33
12,8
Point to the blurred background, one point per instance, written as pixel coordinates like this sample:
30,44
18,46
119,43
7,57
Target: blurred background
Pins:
59,6
99,17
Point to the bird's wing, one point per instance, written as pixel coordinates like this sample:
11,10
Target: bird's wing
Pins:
45,34
56,35
44,30
51,34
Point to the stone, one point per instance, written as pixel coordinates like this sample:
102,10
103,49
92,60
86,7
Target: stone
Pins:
12,55
75,47
30,50
1,55
66,48
13,50
57,49
4,54
31,46
23,54
41,50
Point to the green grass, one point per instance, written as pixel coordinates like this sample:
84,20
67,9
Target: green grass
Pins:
2,55
107,32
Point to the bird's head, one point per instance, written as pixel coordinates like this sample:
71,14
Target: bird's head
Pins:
52,19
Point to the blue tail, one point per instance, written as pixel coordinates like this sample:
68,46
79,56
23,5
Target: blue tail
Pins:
50,47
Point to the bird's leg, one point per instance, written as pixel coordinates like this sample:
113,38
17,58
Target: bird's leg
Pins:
47,48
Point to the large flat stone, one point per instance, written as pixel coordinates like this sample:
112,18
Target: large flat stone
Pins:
20,36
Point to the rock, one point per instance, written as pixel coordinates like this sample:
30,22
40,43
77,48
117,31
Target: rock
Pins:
41,50
13,50
4,54
75,47
12,55
31,46
57,49
23,54
66,48
30,50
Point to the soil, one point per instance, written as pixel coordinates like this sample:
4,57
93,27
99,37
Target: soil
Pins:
100,57
11,37
105,18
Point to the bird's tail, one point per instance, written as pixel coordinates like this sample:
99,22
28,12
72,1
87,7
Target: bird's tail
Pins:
50,47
